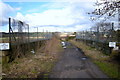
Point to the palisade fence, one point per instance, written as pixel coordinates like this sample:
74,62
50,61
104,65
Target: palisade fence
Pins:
100,36
21,40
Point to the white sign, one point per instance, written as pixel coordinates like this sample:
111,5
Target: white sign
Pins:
4,46
112,44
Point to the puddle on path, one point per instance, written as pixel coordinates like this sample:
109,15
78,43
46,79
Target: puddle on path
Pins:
84,58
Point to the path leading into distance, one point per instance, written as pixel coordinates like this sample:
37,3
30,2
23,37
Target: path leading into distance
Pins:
74,64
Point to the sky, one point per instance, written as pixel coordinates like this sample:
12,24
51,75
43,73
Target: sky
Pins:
48,15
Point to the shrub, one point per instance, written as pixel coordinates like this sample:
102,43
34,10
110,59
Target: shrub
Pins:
115,55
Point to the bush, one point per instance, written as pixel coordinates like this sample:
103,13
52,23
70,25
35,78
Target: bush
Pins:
69,38
115,55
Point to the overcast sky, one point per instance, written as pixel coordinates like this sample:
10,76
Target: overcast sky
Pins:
54,15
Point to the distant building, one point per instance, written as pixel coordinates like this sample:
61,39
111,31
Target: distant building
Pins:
64,35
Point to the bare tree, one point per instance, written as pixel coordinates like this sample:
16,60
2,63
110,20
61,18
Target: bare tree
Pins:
106,8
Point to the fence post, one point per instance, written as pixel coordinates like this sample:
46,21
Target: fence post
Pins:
10,50
10,33
118,31
98,33
28,34
37,33
112,32
97,37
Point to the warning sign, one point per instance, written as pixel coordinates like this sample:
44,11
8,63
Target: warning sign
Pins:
112,44
4,46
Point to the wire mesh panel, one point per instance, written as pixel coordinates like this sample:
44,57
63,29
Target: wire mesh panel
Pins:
38,36
103,32
18,32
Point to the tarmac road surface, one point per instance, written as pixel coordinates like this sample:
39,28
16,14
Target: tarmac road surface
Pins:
74,64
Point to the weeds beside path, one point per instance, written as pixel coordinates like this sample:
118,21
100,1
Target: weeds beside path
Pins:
34,64
100,59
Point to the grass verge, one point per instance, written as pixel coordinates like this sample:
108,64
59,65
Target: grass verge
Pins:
110,69
33,65
100,59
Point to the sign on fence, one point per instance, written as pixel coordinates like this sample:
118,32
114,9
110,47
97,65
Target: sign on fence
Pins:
112,44
4,46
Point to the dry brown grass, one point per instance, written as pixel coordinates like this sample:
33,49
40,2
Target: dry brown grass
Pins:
91,52
34,64
53,46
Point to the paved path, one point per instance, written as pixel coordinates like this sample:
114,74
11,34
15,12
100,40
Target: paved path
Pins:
74,64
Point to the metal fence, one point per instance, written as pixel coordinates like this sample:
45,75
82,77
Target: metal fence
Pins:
100,36
21,40
104,32
19,33
37,36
